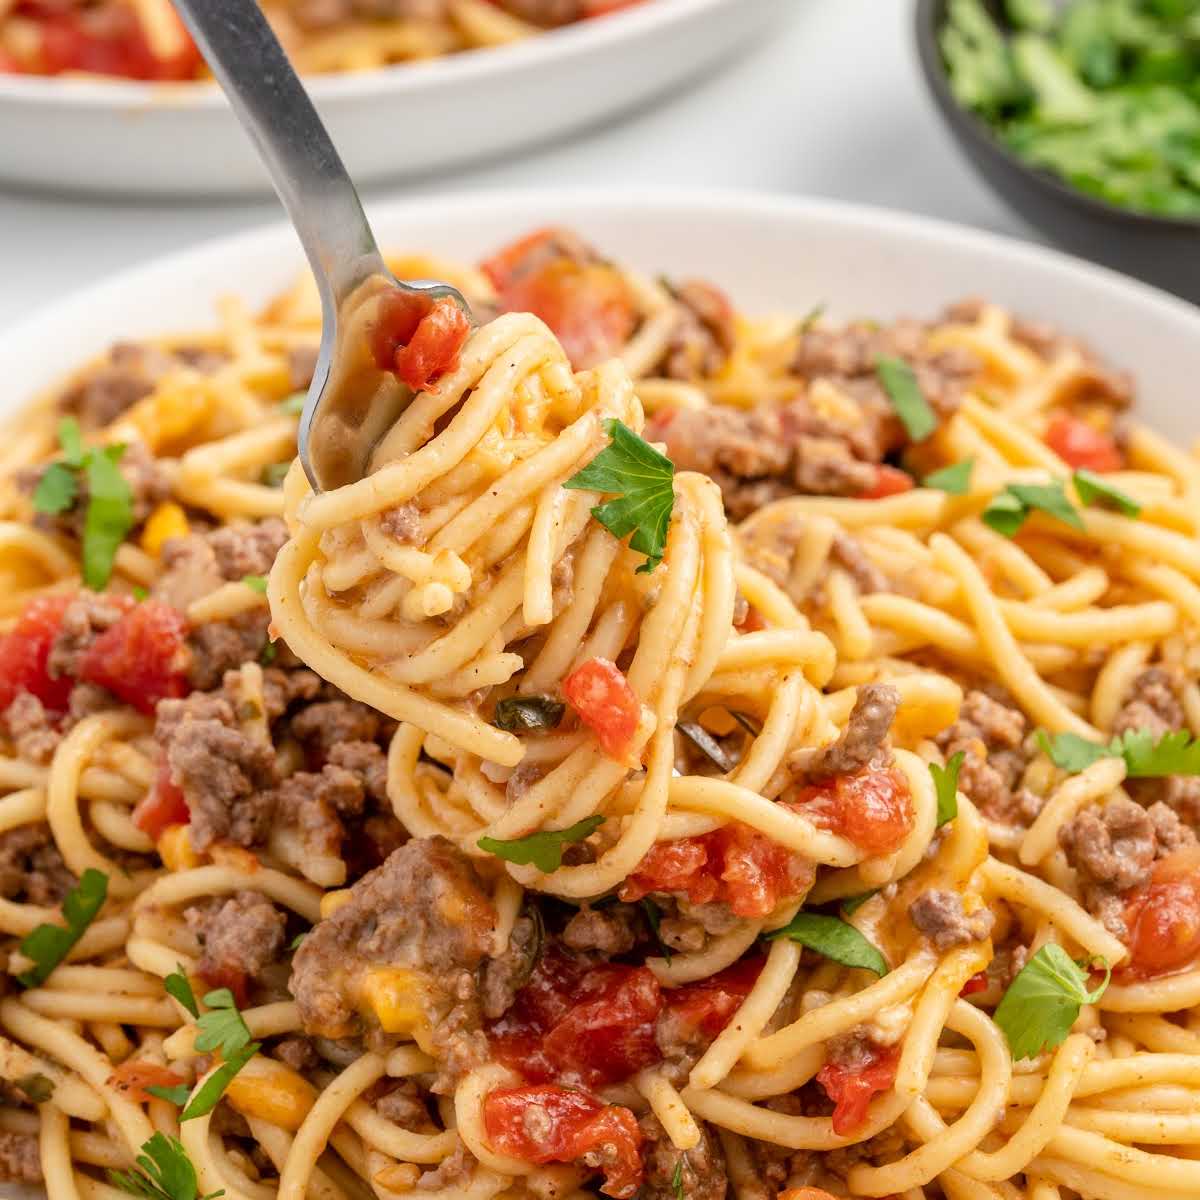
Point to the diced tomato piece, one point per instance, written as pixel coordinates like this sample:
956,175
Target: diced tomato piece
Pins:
25,652
163,805
977,983
223,975
587,303
578,1024
114,44
735,864
570,1124
889,481
851,1086
142,659
135,1075
9,65
418,338
606,704
700,1010
871,807
1163,917
1079,444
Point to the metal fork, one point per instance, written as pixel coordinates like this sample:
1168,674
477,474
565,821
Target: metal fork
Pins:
351,401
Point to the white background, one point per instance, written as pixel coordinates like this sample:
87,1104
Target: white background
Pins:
832,104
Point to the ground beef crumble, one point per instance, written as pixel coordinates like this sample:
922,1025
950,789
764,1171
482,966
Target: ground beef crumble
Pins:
698,1173
242,935
939,915
31,866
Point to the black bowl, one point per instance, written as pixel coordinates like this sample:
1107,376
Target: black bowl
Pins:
1162,250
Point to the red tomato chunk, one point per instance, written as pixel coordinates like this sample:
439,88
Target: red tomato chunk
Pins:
420,340
163,805
587,304
578,1024
872,807
699,1011
135,1075
24,653
546,1124
734,864
889,481
1079,444
606,704
1164,916
142,658
852,1086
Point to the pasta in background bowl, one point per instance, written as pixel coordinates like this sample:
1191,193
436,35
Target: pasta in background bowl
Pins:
1031,566
99,133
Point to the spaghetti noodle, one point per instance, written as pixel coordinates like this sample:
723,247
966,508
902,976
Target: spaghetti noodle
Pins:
143,39
808,811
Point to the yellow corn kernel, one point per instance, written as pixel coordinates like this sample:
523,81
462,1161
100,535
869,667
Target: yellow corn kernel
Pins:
396,996
277,1095
175,849
168,520
332,901
173,413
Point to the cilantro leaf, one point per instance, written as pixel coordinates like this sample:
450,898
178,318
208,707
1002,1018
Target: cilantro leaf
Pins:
71,441
677,1177
36,1087
222,1027
543,850
528,714
256,583
207,1095
179,986
954,480
900,382
1095,489
811,317
297,941
1009,509
177,1095
164,1172
57,489
294,404
1175,753
268,653
642,481
945,782
1070,752
48,944
653,917
109,514
1043,1002
835,939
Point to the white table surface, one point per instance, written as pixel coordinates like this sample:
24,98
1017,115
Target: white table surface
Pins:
831,105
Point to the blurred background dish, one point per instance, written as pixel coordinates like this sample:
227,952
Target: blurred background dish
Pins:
179,138
1084,117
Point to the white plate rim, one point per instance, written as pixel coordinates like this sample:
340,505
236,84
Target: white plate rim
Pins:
461,69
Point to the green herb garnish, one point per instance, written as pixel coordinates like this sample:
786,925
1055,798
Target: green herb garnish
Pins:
1175,753
256,583
37,1088
542,850
48,945
1010,508
900,382
177,1095
945,782
851,904
954,479
294,404
163,1172
642,480
1095,489
528,714
835,939
1043,1002
179,986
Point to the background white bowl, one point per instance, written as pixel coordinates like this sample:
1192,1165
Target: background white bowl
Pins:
114,136
769,254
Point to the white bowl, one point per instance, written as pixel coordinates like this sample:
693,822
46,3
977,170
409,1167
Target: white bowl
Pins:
769,254
115,136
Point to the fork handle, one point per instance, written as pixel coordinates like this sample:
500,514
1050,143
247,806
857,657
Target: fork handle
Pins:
277,114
